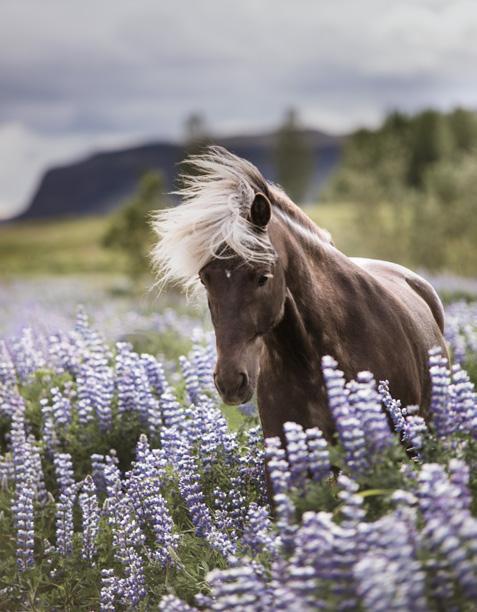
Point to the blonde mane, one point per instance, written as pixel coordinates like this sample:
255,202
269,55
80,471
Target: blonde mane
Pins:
214,214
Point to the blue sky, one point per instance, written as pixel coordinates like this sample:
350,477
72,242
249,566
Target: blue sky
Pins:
86,76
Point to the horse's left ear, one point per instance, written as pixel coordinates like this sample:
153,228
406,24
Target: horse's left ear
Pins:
260,211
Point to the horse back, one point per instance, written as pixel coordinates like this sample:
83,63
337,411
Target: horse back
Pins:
399,280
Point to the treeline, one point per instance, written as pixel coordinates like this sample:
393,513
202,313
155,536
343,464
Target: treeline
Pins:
414,183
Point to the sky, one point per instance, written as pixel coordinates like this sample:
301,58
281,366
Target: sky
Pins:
79,77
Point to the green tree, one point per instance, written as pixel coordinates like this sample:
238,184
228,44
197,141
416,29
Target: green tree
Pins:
293,157
463,125
130,232
196,139
431,141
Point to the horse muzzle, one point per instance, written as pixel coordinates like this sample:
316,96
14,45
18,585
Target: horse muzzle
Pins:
234,388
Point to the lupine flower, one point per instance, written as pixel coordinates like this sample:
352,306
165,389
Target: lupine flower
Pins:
279,474
297,454
144,487
64,472
49,432
257,534
155,373
110,587
23,518
366,403
60,408
393,408
7,369
127,537
64,522
28,357
318,455
348,426
191,380
465,400
90,518
440,378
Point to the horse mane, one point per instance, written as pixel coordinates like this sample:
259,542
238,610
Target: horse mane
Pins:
217,197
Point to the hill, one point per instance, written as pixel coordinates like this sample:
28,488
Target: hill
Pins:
99,183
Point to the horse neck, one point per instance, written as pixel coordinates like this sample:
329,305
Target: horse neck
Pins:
308,265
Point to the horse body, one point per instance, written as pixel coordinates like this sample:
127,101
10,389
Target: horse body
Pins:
367,314
281,296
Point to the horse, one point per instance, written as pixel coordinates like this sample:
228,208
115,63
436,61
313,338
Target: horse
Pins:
281,296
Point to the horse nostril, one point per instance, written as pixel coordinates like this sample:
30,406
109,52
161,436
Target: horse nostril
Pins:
244,380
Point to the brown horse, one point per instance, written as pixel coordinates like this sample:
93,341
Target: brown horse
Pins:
281,296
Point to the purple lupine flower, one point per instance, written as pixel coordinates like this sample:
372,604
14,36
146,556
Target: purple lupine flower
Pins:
366,403
155,373
7,369
110,587
252,463
191,380
64,472
465,400
90,516
459,476
190,489
127,536
172,413
440,379
64,522
240,587
49,436
144,487
393,407
126,372
95,384
7,472
23,519
60,408
348,426
297,454
203,360
278,470
257,533
352,504
97,471
415,430
449,527
318,454
27,357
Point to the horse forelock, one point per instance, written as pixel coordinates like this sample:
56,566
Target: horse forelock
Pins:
216,203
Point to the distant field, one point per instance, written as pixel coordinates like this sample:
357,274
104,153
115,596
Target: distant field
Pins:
74,246
56,247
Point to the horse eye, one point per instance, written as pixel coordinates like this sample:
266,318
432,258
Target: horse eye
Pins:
262,280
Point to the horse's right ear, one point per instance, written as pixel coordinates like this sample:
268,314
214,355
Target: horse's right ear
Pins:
260,211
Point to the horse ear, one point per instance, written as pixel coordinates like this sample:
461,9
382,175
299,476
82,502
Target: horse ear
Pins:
260,211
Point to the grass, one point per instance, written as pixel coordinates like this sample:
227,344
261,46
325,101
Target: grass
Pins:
56,247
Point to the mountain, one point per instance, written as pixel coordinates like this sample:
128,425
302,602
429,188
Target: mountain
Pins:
101,182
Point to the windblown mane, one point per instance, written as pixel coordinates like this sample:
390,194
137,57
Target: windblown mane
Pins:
214,214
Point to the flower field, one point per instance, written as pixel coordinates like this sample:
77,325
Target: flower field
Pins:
125,484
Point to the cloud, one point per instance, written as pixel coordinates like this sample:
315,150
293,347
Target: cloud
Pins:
85,74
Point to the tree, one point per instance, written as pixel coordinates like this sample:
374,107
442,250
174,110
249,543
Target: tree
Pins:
294,162
431,141
130,232
195,141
